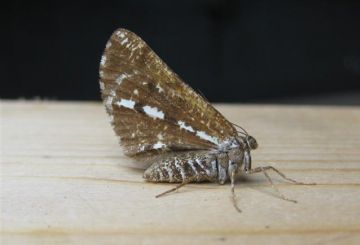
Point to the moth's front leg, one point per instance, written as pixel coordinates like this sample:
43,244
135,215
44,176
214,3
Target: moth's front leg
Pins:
183,168
264,171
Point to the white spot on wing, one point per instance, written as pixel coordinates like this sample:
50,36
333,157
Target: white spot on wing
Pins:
124,41
120,34
159,88
153,112
121,78
126,103
108,103
207,137
160,136
158,145
108,44
103,60
136,91
183,125
102,85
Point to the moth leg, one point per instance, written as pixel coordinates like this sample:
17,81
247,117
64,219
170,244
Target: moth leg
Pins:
259,169
232,178
263,170
173,189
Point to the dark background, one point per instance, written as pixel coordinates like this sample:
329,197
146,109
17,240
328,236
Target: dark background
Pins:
232,51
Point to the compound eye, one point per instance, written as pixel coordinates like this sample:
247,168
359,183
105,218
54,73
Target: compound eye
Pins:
252,142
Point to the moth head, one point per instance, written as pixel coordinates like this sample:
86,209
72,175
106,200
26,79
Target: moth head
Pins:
251,142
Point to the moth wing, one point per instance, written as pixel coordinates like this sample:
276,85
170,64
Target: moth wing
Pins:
150,107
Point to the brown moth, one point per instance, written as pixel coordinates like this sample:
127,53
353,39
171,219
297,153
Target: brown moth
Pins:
163,121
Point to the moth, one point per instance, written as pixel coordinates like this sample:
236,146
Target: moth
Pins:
162,121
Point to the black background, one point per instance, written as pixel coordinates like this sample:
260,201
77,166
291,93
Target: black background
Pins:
232,51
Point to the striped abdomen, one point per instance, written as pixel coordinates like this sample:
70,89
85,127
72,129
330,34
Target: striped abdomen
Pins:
186,167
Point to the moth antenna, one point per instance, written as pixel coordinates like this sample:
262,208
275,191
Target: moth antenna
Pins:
233,195
245,132
241,132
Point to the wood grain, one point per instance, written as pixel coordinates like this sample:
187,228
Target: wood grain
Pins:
65,180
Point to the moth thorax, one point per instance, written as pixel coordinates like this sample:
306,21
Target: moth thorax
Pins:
236,155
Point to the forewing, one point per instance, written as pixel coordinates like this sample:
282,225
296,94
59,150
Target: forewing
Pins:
151,108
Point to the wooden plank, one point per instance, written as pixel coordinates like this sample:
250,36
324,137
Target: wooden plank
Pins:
65,180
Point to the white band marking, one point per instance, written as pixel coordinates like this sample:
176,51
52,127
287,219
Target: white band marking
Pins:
126,103
153,112
158,145
183,125
207,137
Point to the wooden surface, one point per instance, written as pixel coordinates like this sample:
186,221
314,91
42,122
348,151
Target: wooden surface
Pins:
64,179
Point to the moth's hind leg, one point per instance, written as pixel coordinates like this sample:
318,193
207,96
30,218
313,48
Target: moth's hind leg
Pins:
175,188
264,171
162,173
